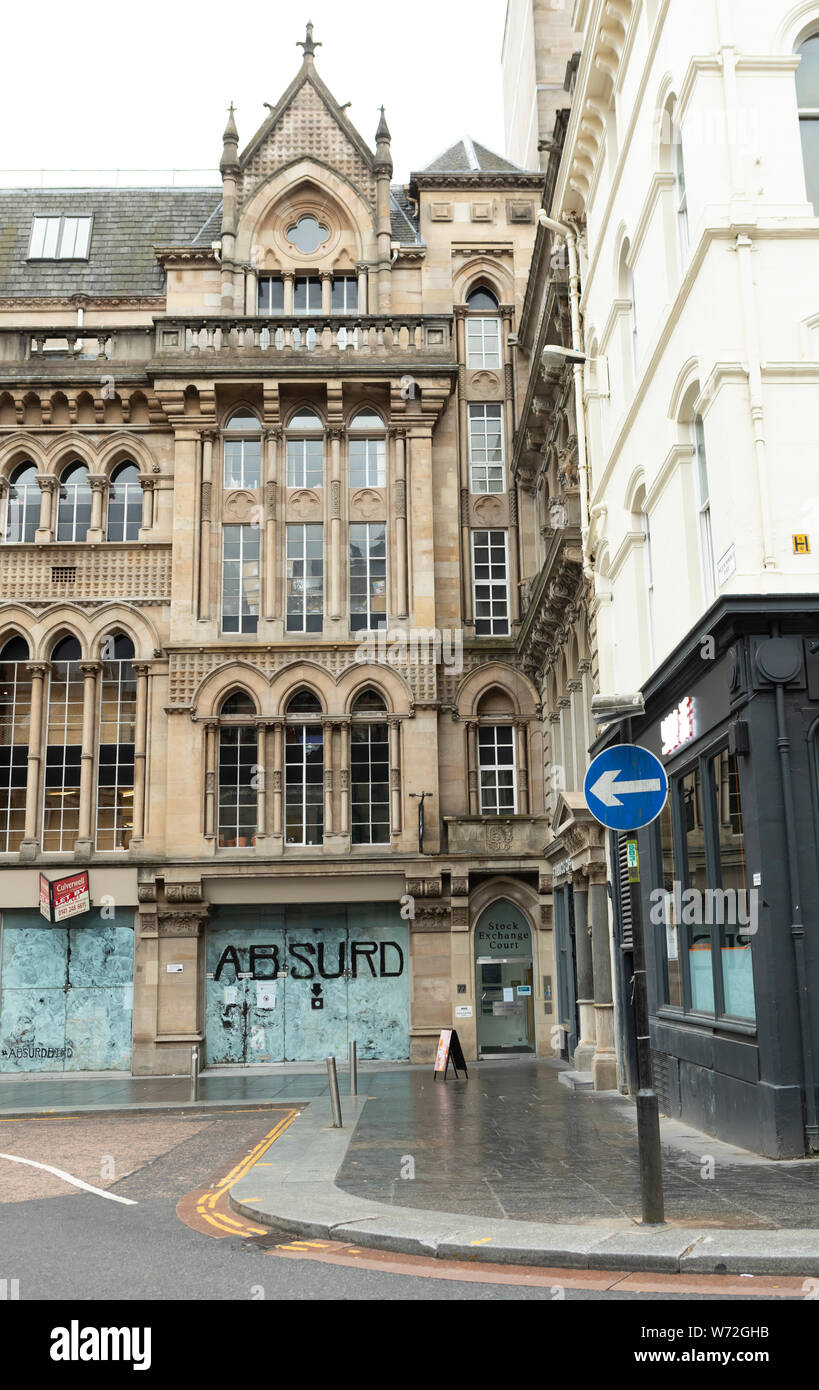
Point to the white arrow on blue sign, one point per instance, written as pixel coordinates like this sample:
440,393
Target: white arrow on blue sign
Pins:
625,787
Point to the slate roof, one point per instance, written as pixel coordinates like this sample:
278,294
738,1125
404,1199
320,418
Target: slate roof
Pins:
468,157
403,219
128,224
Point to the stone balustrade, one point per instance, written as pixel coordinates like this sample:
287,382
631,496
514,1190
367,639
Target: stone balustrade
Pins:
375,335
36,572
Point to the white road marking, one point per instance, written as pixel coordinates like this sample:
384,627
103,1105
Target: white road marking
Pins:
66,1177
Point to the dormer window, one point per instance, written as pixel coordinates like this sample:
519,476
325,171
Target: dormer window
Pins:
60,238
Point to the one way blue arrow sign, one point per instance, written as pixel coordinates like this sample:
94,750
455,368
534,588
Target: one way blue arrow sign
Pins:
625,787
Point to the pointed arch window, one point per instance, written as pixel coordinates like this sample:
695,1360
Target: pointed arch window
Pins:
807,96
238,772
117,743
483,347
124,503
74,504
370,770
15,716
243,450
304,771
64,721
23,505
305,450
368,450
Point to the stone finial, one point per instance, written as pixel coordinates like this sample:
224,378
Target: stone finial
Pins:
308,43
230,143
383,154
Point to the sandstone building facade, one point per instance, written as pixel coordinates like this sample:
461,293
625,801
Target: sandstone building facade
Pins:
264,569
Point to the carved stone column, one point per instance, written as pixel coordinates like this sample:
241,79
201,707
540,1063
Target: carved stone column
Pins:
395,776
38,670
48,508
211,730
272,440
361,272
147,483
604,1062
289,278
261,780
398,440
472,768
205,503
90,671
327,730
344,774
326,277
278,776
5,487
140,741
584,1051
522,760
97,483
251,292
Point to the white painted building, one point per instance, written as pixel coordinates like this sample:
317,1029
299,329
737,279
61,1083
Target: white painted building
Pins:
690,171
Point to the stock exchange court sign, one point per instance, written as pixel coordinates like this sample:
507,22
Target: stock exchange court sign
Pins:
625,787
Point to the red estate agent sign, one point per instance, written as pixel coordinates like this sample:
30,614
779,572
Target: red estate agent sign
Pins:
45,897
449,1050
70,896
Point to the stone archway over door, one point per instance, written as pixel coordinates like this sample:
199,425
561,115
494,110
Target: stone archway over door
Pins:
504,980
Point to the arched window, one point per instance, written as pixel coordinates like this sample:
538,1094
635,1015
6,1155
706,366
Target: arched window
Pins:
304,771
23,507
704,501
305,450
368,450
124,503
370,771
117,739
243,450
807,96
61,800
15,714
238,772
74,507
483,347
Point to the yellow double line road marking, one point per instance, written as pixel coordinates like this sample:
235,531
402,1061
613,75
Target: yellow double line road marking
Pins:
207,1204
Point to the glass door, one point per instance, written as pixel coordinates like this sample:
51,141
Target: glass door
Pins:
505,1005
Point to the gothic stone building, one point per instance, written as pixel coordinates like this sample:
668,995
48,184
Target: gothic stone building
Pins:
260,592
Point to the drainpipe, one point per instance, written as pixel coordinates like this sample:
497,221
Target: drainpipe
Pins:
570,237
783,744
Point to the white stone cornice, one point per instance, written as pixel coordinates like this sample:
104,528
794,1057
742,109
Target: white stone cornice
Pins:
631,541
712,63
619,307
660,183
677,455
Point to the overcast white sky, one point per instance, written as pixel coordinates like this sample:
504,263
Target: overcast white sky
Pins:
146,86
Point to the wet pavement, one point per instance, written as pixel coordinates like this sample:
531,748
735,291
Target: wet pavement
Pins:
512,1142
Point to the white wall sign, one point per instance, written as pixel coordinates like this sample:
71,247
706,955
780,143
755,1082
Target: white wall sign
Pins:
463,1010
726,565
173,969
